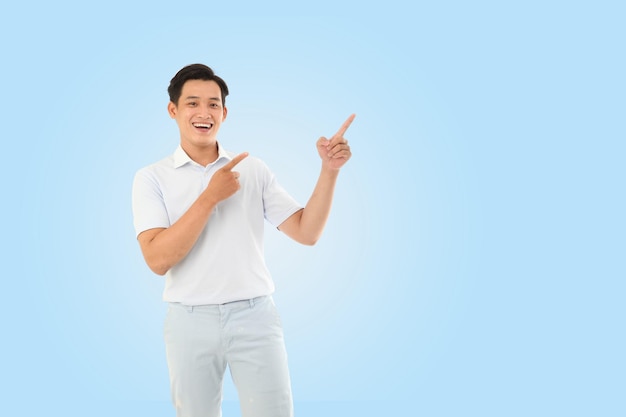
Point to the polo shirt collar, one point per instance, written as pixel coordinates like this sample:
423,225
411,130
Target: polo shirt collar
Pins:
181,158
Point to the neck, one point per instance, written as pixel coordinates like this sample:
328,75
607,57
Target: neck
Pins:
203,155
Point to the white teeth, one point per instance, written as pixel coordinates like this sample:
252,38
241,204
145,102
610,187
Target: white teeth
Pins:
208,126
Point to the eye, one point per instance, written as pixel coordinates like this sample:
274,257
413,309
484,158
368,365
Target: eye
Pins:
215,105
192,104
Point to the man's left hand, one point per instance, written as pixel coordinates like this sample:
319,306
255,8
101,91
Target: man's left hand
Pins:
335,151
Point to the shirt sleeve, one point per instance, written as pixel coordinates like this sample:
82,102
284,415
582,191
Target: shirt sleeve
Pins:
149,209
278,204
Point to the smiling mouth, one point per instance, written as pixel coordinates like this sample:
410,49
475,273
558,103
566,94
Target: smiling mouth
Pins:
203,127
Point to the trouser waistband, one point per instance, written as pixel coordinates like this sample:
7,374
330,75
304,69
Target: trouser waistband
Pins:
232,304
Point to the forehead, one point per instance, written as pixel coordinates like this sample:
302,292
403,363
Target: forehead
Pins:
201,89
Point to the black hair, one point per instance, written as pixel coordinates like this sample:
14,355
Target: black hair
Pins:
194,72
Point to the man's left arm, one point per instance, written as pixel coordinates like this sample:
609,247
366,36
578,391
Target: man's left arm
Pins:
306,226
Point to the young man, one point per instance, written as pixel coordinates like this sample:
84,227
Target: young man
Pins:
199,216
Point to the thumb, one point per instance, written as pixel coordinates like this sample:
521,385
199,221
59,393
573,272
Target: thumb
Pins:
323,142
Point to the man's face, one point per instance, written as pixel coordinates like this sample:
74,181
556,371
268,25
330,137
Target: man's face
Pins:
199,113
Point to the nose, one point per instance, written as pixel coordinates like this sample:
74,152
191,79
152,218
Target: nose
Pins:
205,112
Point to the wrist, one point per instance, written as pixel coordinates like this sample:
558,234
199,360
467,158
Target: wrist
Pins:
208,200
329,171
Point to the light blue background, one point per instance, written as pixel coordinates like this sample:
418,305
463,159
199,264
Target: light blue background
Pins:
474,261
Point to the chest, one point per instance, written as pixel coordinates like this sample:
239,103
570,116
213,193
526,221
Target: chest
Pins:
185,188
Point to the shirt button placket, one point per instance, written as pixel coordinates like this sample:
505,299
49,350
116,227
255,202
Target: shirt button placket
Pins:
205,179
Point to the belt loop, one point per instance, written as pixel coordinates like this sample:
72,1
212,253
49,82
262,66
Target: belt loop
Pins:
190,309
251,303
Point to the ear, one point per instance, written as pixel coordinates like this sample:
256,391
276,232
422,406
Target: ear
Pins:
225,113
171,109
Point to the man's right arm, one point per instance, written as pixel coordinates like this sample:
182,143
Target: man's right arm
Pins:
163,248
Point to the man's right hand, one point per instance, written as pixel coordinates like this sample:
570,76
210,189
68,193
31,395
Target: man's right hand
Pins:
225,182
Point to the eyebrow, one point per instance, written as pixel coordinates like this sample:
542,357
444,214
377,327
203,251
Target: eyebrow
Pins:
197,98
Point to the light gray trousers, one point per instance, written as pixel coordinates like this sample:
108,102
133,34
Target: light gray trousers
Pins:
247,336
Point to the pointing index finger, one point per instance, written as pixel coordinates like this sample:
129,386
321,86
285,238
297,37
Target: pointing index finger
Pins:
231,164
345,125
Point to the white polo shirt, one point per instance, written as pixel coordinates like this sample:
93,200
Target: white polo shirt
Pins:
227,262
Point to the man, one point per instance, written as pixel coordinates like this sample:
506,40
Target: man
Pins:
199,217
